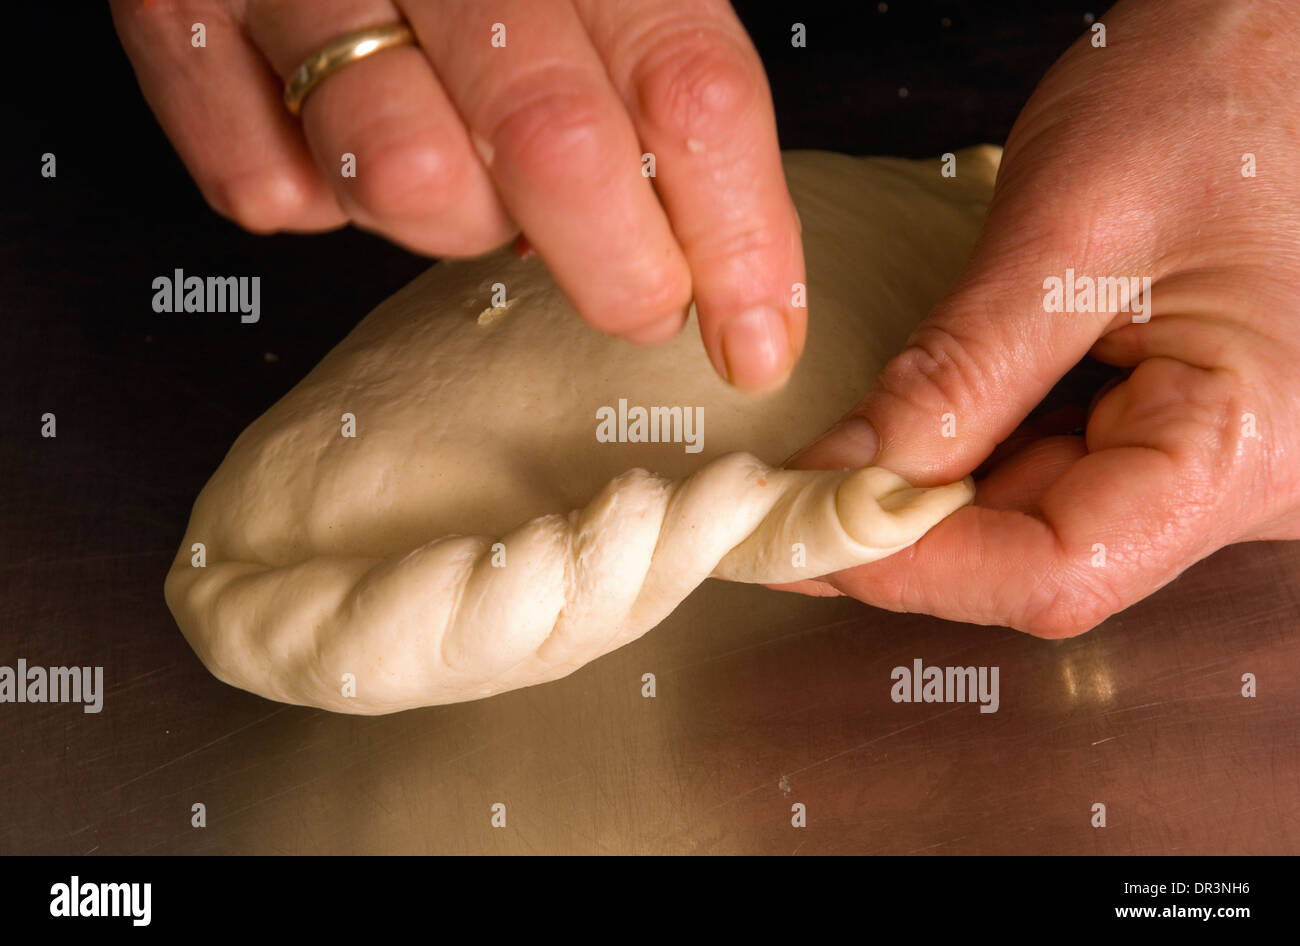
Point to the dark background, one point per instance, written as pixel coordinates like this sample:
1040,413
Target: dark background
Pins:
1143,712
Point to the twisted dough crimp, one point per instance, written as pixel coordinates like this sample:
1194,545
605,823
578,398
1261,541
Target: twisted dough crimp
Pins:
443,623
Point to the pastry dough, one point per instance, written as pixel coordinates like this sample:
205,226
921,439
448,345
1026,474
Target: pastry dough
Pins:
396,531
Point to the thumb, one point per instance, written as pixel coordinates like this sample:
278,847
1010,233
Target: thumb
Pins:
974,368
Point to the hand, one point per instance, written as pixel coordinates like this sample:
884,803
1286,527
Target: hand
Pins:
1128,160
459,143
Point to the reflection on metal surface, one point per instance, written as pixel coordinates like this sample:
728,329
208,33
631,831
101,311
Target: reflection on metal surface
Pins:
1087,678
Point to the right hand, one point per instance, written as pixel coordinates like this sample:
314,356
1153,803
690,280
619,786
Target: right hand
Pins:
1127,161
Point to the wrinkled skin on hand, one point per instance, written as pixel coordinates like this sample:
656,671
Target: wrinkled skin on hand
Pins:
1127,160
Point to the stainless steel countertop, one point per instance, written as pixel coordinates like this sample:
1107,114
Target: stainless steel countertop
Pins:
1144,714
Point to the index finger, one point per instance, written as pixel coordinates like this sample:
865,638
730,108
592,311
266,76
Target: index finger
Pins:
698,97
563,155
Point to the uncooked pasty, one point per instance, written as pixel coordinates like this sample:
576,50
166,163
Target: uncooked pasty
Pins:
455,501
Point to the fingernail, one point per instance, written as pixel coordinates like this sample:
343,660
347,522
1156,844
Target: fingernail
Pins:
756,349
850,444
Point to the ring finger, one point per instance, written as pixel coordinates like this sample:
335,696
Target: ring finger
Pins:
413,175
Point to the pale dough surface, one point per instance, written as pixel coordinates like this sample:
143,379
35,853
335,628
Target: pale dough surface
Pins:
372,556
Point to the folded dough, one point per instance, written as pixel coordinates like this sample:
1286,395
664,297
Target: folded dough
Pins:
432,557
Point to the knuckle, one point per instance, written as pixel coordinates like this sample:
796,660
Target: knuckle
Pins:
274,199
726,243
658,292
1056,625
463,238
696,85
410,176
666,288
1068,608
558,128
935,372
164,12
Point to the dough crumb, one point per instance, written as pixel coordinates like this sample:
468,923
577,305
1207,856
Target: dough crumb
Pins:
495,313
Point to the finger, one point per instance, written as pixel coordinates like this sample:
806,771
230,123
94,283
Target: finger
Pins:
1178,337
1066,420
415,177
1016,484
219,104
563,155
1160,489
982,360
697,94
1020,481
813,587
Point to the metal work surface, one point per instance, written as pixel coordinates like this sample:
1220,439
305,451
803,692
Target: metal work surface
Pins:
763,701
1144,715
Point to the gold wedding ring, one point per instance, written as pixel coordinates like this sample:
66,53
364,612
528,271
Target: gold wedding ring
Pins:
333,56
